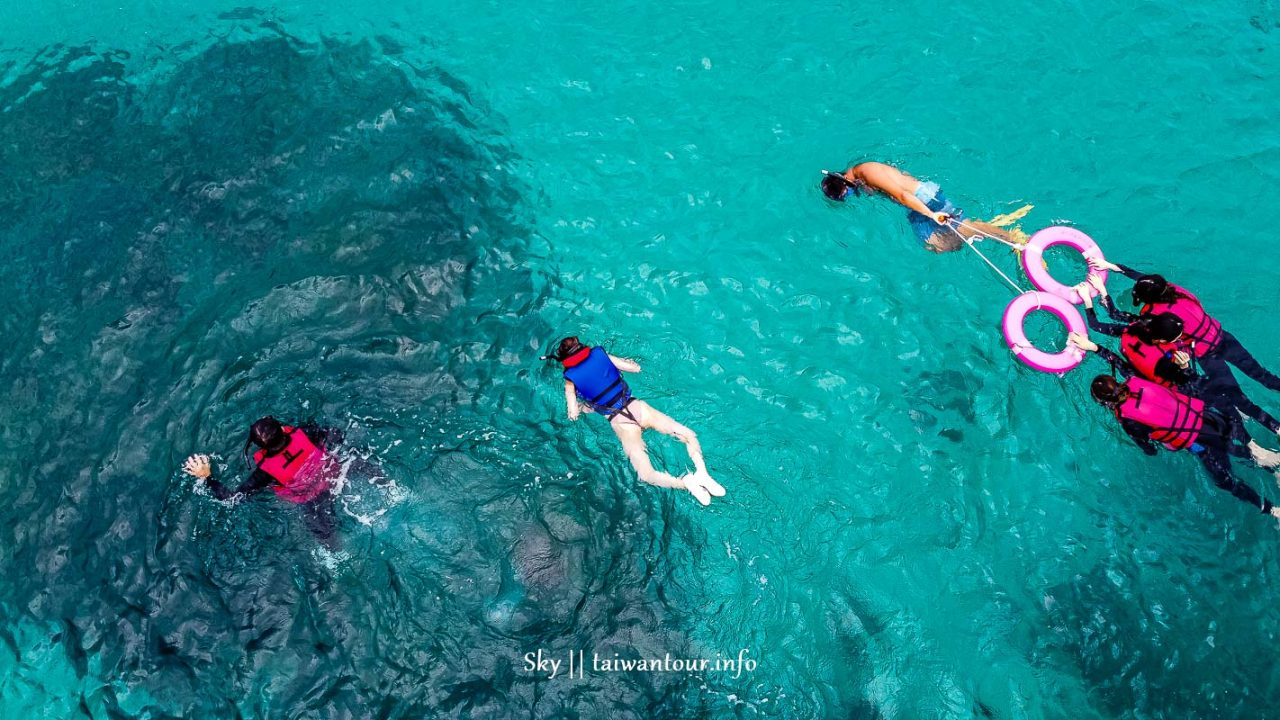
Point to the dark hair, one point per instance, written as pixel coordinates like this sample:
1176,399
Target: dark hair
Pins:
1150,289
1157,327
1107,390
268,434
1164,327
833,186
568,346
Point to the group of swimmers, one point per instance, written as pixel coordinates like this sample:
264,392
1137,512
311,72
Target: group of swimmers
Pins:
1175,384
1177,388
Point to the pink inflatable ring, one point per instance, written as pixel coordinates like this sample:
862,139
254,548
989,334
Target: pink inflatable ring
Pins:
1038,274
1016,336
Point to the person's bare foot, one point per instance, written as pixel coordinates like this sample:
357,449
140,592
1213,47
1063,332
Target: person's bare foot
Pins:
1264,457
692,485
713,487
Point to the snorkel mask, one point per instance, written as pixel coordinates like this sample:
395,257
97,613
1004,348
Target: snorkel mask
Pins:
854,189
268,434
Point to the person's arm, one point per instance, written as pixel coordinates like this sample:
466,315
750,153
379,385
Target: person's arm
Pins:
908,199
571,400
1140,434
1129,272
625,364
1095,281
1112,329
1101,264
1123,316
258,481
1170,371
894,183
1106,328
198,467
911,202
1118,364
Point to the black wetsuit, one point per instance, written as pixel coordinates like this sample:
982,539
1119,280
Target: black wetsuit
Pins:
1216,385
319,513
1229,349
1221,437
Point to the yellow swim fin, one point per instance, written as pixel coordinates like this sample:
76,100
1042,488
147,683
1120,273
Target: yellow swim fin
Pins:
1008,219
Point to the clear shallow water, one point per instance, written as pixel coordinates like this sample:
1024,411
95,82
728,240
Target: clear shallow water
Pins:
378,218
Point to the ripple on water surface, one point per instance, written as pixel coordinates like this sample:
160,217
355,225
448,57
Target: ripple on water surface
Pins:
270,225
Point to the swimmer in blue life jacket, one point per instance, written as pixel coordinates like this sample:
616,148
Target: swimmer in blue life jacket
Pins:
933,217
596,377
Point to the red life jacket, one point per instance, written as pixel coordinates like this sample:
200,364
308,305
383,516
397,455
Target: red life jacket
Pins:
296,469
1143,356
1175,419
1196,323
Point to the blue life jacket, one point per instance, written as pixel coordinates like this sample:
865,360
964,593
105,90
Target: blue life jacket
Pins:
599,383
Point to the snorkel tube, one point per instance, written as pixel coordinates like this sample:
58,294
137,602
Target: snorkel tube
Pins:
562,352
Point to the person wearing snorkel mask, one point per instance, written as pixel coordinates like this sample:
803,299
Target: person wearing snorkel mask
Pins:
292,461
934,219
595,376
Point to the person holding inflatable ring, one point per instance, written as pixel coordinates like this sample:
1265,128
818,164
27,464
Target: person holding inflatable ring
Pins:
1151,413
1213,346
1153,343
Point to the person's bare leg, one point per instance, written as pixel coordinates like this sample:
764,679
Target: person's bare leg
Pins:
653,419
631,436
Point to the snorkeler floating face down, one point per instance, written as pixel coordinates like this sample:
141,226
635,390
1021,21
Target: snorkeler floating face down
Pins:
593,378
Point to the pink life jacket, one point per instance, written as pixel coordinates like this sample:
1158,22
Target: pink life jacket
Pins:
1197,325
1175,419
1143,356
296,469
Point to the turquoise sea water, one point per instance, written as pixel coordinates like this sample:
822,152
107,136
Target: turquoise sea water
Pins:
378,218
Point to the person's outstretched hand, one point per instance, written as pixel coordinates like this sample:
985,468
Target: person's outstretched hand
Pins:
941,218
1082,342
1085,296
1099,263
197,466
1096,282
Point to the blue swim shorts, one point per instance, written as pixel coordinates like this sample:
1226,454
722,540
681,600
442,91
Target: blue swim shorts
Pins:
932,196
